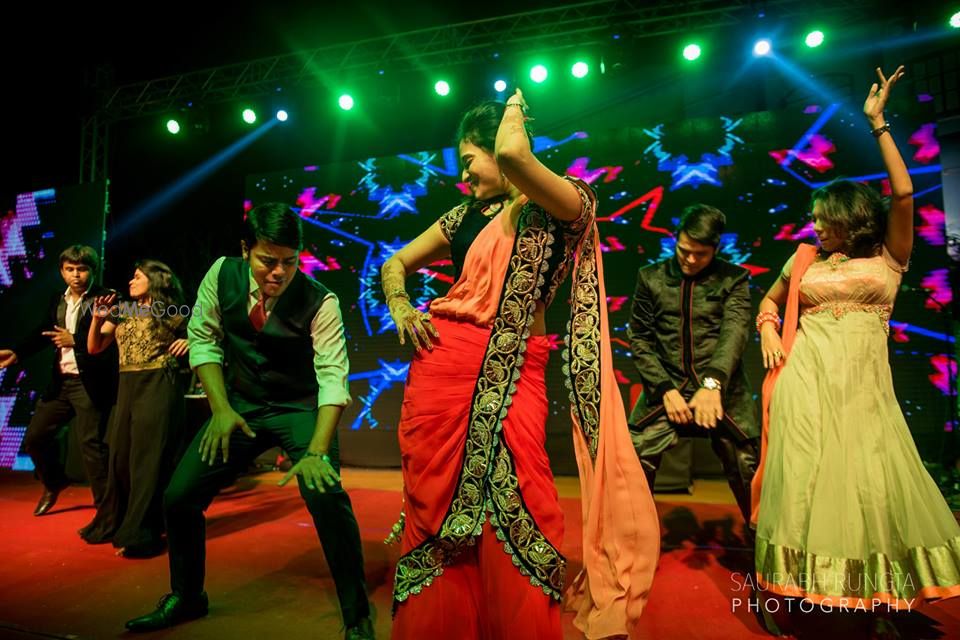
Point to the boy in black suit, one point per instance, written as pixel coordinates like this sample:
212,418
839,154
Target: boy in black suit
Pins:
82,388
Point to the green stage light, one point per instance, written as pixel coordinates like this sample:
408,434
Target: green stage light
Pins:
282,115
538,73
580,69
173,126
442,87
500,86
814,39
955,20
692,51
249,116
346,102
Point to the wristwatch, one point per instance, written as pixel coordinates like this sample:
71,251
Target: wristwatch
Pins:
712,384
323,456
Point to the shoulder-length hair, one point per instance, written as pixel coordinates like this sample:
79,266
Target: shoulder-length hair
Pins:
855,211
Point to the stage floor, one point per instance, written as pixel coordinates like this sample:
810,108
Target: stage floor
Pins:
266,576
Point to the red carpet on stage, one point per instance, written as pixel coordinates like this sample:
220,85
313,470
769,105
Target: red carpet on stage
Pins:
266,576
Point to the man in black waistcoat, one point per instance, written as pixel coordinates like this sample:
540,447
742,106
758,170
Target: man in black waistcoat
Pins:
82,386
267,343
689,325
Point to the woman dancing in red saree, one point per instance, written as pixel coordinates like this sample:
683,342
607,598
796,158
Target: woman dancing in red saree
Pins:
483,524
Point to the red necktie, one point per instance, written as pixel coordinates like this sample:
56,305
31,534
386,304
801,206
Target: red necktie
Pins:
258,315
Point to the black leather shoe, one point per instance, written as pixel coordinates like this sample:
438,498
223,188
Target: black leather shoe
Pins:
47,500
363,630
172,609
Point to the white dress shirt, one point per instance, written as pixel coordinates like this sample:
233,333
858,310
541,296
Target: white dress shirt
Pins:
68,358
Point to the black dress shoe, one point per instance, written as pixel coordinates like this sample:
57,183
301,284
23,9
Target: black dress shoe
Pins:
47,500
363,630
172,609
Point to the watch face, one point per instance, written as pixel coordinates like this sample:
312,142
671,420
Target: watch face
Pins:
711,383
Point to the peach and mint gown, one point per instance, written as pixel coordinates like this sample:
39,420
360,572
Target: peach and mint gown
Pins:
848,513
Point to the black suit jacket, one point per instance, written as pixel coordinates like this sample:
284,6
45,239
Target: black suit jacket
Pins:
98,373
683,330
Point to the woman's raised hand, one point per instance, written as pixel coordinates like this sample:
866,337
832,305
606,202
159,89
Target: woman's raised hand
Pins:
879,94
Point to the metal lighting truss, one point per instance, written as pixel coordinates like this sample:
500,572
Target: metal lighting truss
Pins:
575,25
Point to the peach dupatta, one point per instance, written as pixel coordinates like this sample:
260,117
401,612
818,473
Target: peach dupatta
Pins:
621,532
804,257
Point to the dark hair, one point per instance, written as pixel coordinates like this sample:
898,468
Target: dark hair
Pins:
702,223
81,254
273,222
856,211
479,125
164,286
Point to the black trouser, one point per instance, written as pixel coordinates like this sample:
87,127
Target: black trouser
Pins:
89,422
195,483
143,436
738,455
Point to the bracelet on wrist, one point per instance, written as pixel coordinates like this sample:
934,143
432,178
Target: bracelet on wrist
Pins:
768,316
879,131
312,454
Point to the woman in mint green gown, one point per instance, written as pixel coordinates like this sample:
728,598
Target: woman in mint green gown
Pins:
847,515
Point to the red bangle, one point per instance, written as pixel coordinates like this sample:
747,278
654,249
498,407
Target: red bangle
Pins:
768,316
